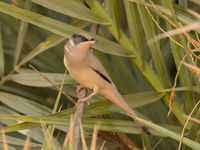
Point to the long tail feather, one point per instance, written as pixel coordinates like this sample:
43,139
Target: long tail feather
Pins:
113,95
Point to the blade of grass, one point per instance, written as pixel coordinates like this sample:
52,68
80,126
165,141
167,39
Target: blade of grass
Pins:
48,139
46,78
115,10
17,141
5,144
171,134
191,89
63,29
181,14
149,29
104,107
21,126
51,128
10,147
49,43
146,142
176,31
21,34
33,79
196,2
147,72
186,122
71,142
67,7
29,107
135,28
26,145
1,55
21,92
94,138
110,125
92,121
104,144
178,55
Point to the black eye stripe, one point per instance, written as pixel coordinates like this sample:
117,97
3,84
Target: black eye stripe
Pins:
78,38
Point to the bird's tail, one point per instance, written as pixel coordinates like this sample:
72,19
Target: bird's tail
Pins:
113,95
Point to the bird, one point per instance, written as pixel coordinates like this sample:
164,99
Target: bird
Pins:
85,68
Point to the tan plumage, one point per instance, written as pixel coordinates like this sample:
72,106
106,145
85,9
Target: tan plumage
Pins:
87,70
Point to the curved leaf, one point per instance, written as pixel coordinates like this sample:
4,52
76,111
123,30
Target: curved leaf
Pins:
180,12
111,125
1,56
104,107
62,29
17,142
51,41
23,105
67,7
34,79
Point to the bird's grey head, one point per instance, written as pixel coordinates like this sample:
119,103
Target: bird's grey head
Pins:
81,41
82,37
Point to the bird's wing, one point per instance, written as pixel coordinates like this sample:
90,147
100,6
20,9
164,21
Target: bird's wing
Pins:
96,65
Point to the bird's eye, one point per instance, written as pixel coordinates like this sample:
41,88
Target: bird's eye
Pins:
77,38
92,39
84,39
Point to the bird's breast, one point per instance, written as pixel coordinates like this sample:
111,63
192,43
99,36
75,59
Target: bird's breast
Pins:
82,76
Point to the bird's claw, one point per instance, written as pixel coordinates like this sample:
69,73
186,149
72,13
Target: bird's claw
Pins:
79,87
82,101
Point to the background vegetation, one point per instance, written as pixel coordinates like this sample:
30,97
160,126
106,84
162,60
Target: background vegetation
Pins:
145,65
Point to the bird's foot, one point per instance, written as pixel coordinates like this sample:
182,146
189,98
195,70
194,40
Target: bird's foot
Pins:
82,101
79,87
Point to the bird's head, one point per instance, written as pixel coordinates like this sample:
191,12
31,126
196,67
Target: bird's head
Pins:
81,41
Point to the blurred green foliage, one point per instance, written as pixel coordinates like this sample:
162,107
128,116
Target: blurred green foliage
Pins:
142,66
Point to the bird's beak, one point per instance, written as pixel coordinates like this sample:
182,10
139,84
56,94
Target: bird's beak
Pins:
94,41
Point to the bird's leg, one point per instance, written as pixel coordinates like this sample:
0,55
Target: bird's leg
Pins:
95,91
79,87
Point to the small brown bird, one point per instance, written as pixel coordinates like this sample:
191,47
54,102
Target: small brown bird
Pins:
87,70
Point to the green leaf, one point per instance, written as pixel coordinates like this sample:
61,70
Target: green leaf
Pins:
178,55
23,105
113,125
17,142
73,9
179,89
133,100
104,107
62,29
1,55
21,92
146,142
171,134
181,13
135,29
142,65
49,43
34,79
115,9
196,2
10,147
7,111
105,124
94,109
148,26
21,34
